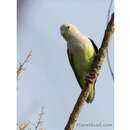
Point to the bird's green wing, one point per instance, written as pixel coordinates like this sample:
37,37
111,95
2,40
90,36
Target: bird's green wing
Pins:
71,59
94,45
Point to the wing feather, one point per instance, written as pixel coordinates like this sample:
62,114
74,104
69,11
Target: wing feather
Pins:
71,60
94,45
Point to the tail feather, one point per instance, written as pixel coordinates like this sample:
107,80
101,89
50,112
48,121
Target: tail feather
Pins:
91,95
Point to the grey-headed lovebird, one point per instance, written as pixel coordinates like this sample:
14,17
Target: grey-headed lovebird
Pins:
81,53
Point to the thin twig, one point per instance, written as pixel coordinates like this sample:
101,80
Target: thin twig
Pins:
109,12
23,126
36,126
39,119
92,76
109,65
21,65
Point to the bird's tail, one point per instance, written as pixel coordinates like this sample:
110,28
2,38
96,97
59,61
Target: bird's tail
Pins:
91,95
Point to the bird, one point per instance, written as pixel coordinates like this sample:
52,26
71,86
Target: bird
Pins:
81,52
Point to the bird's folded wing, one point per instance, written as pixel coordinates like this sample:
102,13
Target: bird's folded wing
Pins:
94,45
71,60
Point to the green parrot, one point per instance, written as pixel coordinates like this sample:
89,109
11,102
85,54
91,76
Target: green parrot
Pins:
81,53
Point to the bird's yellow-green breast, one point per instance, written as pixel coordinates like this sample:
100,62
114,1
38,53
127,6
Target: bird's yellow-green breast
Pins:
83,61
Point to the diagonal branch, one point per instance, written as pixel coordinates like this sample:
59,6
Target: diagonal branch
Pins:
21,65
109,65
39,119
109,11
108,59
92,76
23,126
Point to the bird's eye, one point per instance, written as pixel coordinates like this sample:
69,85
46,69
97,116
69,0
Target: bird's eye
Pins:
68,27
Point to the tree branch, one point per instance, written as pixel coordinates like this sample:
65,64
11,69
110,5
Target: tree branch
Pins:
21,65
23,126
33,126
109,65
39,119
108,59
92,75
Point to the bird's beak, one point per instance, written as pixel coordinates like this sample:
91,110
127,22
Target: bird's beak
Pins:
62,31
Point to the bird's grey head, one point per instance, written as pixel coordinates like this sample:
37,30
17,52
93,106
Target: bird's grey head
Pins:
69,31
